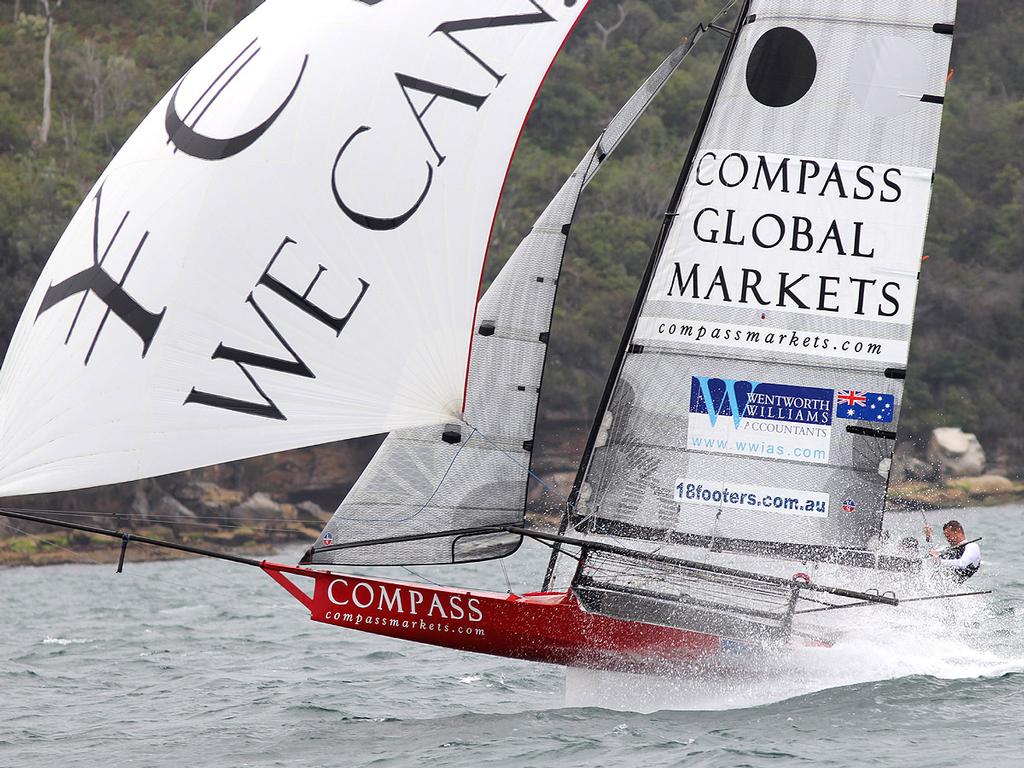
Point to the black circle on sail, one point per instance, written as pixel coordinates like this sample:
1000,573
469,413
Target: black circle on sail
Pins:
781,67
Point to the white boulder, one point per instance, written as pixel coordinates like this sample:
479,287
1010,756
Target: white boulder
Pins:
956,453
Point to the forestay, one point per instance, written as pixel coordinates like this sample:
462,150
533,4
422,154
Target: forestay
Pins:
287,251
761,384
427,483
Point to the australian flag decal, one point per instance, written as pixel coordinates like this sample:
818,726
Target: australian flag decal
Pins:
865,406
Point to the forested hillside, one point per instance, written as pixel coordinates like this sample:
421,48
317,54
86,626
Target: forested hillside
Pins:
111,60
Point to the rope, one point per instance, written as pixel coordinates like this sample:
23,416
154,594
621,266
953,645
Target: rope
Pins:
422,577
508,582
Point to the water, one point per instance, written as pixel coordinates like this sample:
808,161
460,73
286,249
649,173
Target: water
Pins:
209,664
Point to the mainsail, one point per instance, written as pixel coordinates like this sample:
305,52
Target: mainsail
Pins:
287,251
755,401
428,488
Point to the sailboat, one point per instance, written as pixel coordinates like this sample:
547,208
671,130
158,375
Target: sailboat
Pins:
289,252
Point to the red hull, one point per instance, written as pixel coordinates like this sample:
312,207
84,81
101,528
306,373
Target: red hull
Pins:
544,626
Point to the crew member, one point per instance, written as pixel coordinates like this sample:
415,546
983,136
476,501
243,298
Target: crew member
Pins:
960,560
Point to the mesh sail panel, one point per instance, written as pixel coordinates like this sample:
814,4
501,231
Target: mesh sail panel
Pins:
443,481
759,396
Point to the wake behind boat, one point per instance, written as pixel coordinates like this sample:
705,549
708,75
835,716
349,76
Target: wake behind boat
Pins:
227,291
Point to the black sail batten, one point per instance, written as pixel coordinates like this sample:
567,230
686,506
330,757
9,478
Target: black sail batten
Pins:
426,486
644,284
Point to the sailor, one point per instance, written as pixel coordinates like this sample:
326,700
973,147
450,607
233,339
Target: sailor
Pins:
909,546
960,560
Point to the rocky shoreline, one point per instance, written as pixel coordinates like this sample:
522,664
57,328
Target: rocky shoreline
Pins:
247,507
984,491
64,549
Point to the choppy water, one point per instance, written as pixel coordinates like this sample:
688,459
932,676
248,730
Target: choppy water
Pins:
210,664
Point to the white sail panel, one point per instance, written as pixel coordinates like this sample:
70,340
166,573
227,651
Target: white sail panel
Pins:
287,251
762,380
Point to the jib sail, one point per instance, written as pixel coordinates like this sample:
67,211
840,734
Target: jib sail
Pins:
429,487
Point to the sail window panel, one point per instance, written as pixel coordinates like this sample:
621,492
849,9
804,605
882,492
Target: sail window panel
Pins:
845,113
418,484
441,550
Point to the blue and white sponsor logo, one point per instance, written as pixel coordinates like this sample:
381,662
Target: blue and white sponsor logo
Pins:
760,419
758,400
751,498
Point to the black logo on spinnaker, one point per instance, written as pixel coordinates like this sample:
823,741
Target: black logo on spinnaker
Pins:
291,363
435,93
96,281
181,131
781,67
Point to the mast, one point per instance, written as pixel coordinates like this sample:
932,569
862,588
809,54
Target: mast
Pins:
645,282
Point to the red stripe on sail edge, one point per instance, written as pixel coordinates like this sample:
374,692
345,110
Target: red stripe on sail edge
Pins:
501,194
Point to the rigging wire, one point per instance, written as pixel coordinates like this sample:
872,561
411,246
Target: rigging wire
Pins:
422,577
508,582
169,521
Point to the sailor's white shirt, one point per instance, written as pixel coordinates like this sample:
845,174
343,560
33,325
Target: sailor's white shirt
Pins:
971,556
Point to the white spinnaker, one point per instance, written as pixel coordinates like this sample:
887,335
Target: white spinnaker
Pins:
195,309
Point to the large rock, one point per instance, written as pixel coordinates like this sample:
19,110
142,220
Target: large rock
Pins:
208,498
258,508
308,512
956,453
